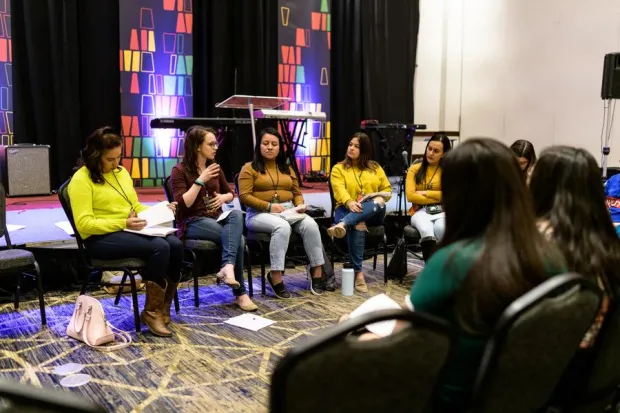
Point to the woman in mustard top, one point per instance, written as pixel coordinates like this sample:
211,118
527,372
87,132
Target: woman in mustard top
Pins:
352,181
104,203
424,191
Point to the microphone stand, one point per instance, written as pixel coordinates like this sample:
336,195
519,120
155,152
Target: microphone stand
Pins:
402,197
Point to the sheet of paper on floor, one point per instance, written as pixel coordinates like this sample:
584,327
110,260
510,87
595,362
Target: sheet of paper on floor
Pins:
250,322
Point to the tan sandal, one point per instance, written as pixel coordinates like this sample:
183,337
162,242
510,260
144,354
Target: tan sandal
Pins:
336,231
360,285
247,307
230,281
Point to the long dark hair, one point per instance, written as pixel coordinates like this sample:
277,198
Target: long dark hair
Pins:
515,256
194,137
258,164
567,192
524,149
447,145
364,162
100,141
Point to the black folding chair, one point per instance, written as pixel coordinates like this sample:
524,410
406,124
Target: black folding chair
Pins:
23,398
533,344
334,372
14,261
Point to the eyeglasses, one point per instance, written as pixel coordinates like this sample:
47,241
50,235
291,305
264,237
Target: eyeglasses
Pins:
214,145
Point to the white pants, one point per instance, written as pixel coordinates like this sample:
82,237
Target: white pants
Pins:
430,226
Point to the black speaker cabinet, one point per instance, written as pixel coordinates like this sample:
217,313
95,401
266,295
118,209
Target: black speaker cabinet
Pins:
611,77
25,169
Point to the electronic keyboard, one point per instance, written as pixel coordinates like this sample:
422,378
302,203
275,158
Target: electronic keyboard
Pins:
374,126
184,123
289,114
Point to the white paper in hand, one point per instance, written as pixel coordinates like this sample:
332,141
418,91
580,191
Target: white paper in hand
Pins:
379,302
157,214
223,215
249,322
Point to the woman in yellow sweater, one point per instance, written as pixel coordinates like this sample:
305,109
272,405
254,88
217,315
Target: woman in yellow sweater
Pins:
104,203
267,187
352,181
424,191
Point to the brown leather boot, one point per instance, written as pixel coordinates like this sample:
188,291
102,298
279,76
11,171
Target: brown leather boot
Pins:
171,288
152,315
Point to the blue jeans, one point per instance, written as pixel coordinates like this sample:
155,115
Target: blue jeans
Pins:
163,256
372,214
229,234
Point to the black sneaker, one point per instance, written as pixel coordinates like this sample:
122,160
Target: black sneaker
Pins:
316,285
279,289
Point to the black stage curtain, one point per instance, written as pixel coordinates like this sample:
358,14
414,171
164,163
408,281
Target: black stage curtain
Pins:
235,52
65,75
373,65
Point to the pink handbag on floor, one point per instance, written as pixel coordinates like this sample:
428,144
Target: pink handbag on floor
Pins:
89,325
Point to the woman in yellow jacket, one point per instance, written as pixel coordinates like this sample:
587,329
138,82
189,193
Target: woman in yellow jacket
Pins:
424,191
104,203
361,190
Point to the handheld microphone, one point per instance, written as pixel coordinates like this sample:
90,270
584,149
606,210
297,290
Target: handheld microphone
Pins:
406,159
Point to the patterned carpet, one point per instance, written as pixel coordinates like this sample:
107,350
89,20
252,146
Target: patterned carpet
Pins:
208,366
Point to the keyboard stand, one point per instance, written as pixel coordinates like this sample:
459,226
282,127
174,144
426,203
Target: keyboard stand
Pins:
293,139
251,103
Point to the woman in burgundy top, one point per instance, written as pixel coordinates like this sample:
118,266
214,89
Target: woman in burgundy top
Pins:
200,188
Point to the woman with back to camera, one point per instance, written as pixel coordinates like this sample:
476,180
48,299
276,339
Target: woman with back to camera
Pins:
424,191
104,203
526,155
352,180
200,188
569,202
267,187
491,254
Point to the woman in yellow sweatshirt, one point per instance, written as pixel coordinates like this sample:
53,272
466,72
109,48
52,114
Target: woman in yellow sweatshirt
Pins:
352,181
104,203
424,191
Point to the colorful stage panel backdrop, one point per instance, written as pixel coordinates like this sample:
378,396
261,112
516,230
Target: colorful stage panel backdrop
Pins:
304,38
6,80
156,65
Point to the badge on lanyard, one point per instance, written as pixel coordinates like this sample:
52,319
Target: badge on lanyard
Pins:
360,196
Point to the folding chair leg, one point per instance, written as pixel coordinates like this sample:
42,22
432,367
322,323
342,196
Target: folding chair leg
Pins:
176,302
196,273
249,267
85,283
385,263
120,288
18,290
374,258
262,278
134,298
40,292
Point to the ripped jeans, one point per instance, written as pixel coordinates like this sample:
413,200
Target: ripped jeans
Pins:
372,214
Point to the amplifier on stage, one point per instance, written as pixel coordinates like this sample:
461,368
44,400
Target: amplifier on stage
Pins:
25,169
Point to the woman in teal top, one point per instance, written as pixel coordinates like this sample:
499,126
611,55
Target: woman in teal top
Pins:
491,254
